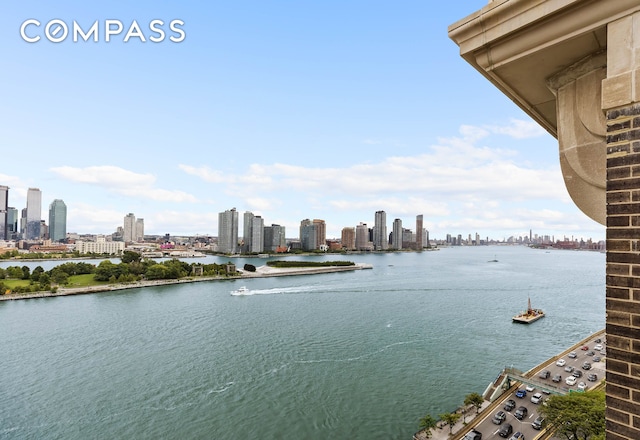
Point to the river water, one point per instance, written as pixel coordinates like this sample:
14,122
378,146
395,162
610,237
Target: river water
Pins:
354,355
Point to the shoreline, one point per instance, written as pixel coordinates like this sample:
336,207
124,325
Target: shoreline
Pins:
261,272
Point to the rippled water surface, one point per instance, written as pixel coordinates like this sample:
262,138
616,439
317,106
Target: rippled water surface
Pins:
359,355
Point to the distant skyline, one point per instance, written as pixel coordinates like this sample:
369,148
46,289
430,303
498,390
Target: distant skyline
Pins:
326,110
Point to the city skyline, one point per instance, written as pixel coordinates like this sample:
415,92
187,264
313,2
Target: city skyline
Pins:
270,112
132,229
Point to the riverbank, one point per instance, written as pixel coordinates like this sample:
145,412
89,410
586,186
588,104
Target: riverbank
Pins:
261,272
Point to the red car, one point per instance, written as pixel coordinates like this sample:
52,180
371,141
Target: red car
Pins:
585,347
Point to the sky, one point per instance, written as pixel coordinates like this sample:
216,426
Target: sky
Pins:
292,110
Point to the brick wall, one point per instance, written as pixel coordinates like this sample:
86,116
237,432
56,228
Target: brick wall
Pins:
623,274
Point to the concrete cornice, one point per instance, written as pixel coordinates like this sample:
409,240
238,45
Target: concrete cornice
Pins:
519,45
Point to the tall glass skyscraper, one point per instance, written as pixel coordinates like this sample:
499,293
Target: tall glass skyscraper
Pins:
4,207
57,220
34,214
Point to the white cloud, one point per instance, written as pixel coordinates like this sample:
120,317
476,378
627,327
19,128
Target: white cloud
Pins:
519,129
123,182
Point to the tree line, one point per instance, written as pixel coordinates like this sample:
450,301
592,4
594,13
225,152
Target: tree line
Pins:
132,267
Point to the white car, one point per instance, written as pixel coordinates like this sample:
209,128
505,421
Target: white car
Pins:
571,380
581,386
561,362
598,347
536,398
530,388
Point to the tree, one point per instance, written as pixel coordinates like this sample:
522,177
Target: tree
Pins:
450,419
474,399
576,415
35,274
130,257
428,423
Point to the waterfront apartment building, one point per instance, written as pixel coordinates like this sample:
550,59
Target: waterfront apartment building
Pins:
397,235
100,246
362,238
274,238
321,233
348,238
228,231
129,228
256,234
419,229
33,214
4,208
139,230
253,233
308,235
380,238
57,220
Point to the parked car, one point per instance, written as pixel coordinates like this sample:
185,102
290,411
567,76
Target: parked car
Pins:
536,398
530,388
585,348
499,417
582,386
561,362
538,423
517,436
509,405
577,373
568,368
521,393
586,366
506,430
592,377
598,347
590,353
544,374
597,359
557,378
521,413
571,381
573,355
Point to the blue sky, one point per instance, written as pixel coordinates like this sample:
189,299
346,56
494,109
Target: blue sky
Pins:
288,109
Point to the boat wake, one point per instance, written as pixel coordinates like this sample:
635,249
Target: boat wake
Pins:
277,290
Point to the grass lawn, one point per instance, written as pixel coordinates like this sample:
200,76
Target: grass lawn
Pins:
73,281
84,281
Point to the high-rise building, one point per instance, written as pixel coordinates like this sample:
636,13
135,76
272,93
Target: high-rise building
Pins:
419,228
247,224
12,223
348,238
228,231
256,244
362,238
129,228
308,235
396,239
274,238
139,234
33,214
57,220
380,239
4,207
321,233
